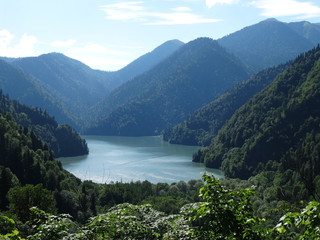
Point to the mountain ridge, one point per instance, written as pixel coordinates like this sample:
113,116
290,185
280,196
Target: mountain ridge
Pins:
24,88
267,43
146,61
74,87
170,84
80,96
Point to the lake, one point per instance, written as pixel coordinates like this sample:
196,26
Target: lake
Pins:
129,159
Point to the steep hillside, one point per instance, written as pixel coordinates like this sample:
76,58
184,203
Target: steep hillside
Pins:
67,77
75,85
62,139
275,122
194,75
78,95
30,174
138,67
24,88
23,155
308,30
145,62
202,125
266,44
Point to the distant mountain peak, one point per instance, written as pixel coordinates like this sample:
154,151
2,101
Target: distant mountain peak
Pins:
271,42
171,44
53,54
147,61
57,55
306,23
271,20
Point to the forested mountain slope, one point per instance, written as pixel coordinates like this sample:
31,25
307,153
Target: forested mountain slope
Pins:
78,95
77,84
72,86
138,67
281,123
23,158
202,125
24,88
194,75
267,43
62,139
145,62
70,80
29,173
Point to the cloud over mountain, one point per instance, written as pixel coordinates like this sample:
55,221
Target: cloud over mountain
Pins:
146,14
285,8
24,47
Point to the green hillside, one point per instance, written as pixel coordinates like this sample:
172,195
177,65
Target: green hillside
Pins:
203,125
24,88
71,86
278,124
145,62
193,76
62,139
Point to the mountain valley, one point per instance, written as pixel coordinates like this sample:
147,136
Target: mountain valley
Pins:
249,99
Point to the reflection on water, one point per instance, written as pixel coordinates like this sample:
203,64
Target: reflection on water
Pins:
135,158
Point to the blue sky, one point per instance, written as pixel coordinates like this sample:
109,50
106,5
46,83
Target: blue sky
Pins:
109,34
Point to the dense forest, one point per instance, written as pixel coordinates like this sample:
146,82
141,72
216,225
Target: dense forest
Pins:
273,123
274,138
222,213
30,176
60,138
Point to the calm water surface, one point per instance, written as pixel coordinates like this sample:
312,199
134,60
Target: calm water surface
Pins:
129,159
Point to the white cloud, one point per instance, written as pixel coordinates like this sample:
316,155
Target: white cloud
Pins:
285,8
181,9
211,3
179,18
24,47
124,11
5,38
99,57
92,54
135,11
100,62
96,49
67,43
